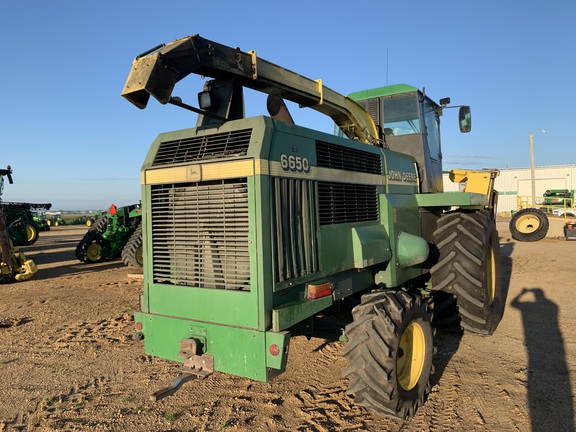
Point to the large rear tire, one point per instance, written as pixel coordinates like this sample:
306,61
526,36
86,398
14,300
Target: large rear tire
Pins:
389,353
468,269
132,251
529,225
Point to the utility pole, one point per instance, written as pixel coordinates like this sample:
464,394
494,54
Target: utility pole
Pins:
532,170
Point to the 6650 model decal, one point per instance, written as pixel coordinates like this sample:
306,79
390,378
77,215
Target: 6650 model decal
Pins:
294,163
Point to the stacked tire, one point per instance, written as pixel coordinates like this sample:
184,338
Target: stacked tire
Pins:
529,225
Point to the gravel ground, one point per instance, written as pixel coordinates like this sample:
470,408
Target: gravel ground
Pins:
69,361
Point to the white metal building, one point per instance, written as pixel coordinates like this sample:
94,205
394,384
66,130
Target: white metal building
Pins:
516,182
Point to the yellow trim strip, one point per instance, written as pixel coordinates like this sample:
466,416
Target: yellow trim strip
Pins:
249,167
200,172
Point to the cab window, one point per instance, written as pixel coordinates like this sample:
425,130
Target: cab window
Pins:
432,122
401,115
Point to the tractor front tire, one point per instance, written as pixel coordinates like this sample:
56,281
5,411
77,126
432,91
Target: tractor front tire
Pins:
89,249
529,225
132,251
93,253
468,270
389,352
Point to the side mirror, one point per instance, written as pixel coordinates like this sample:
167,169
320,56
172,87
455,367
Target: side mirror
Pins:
465,119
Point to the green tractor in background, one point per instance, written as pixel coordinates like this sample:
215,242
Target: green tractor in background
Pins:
559,197
55,219
22,227
40,220
13,263
115,234
93,216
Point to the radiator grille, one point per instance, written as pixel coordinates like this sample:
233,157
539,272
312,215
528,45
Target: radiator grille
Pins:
200,234
201,148
295,233
345,203
344,158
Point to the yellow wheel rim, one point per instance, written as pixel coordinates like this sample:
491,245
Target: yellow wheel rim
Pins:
527,224
30,233
94,252
139,256
411,356
490,276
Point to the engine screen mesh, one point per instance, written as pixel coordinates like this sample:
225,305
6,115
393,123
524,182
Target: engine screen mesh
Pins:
200,234
344,158
346,203
201,148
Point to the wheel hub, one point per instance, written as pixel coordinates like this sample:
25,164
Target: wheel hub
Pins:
94,252
527,224
411,356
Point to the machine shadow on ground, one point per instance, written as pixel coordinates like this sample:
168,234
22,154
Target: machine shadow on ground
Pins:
548,371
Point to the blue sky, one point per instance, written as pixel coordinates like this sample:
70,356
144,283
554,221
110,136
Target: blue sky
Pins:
72,140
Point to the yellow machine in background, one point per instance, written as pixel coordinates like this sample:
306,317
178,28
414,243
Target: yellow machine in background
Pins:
479,181
13,263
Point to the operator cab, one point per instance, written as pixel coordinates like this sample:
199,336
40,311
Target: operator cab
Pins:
410,124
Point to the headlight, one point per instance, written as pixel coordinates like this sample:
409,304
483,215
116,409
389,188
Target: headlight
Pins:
206,100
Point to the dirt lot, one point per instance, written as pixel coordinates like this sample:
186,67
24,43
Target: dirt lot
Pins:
68,359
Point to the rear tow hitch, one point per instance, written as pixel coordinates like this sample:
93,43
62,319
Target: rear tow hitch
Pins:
196,366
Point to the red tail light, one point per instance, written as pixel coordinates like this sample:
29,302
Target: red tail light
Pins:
274,350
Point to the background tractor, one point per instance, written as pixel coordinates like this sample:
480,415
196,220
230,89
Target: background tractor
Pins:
559,198
257,229
41,220
13,263
55,219
108,236
22,226
91,218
